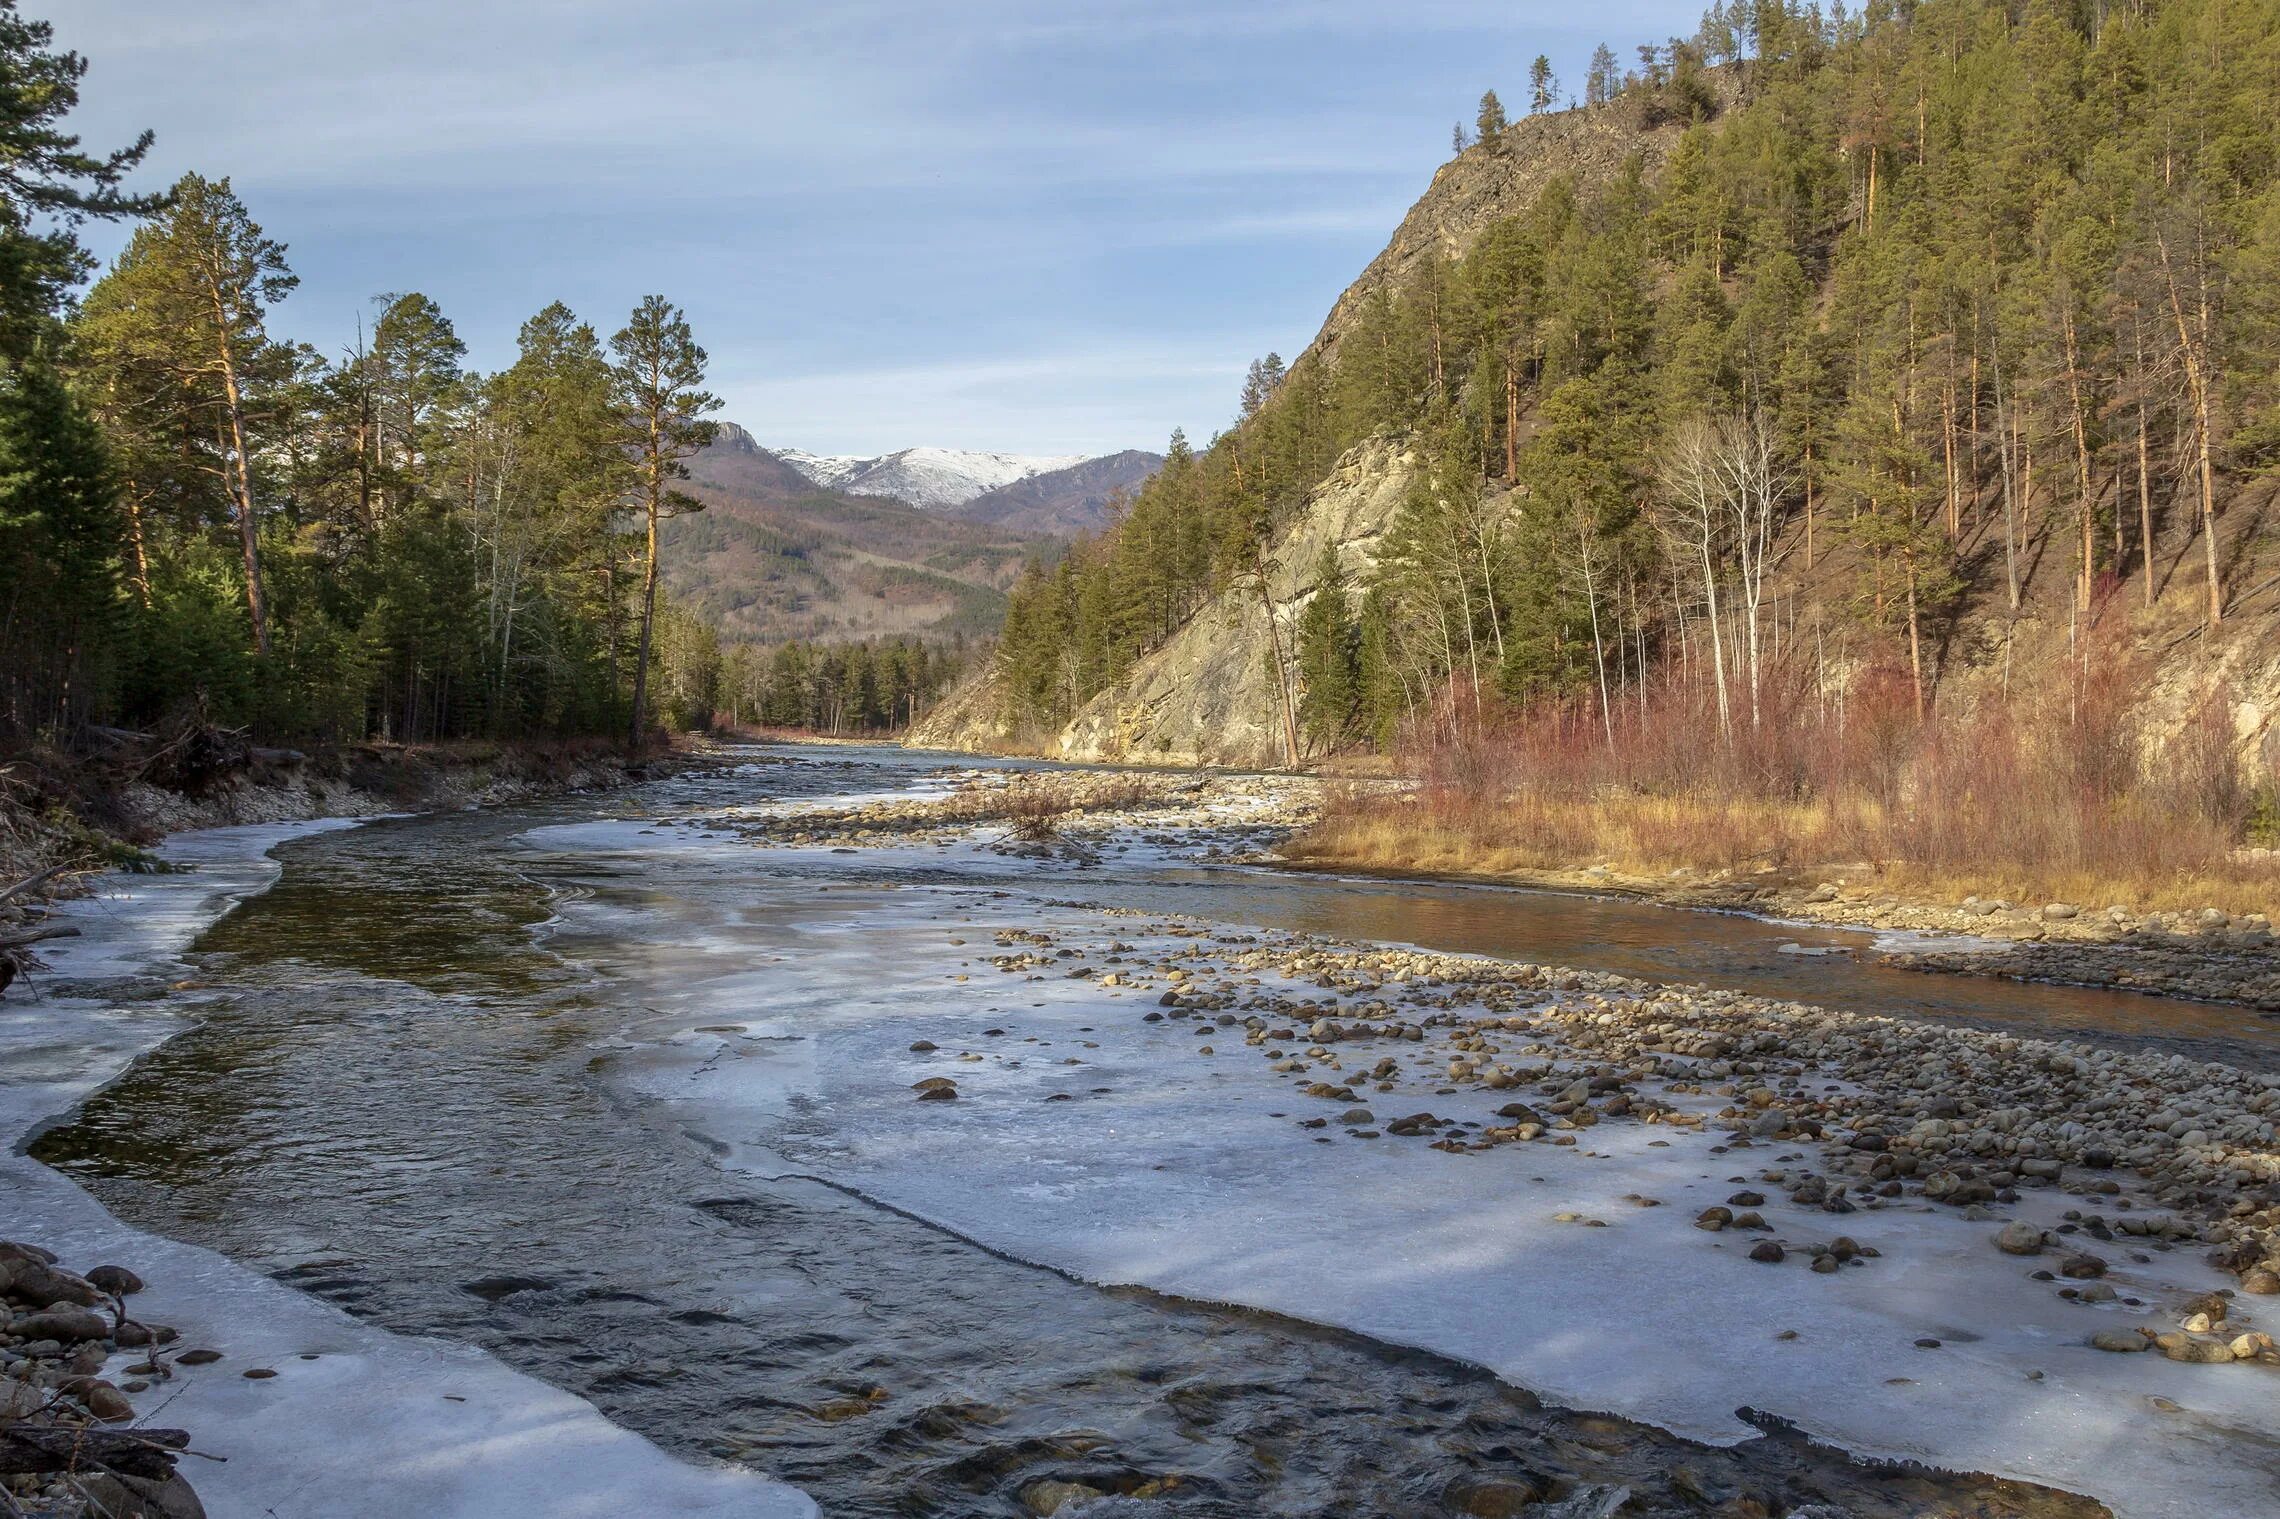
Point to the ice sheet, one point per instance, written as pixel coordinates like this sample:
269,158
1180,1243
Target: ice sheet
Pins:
358,1423
1190,1175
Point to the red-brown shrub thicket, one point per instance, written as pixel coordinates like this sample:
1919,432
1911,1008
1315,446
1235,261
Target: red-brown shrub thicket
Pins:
2060,783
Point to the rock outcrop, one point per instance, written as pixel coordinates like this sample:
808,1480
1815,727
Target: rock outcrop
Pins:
1208,695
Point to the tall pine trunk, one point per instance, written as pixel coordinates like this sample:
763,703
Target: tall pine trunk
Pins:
648,620
239,478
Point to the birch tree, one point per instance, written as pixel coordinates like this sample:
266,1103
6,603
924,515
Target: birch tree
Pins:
1693,522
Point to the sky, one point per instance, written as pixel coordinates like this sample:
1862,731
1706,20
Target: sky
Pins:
1038,226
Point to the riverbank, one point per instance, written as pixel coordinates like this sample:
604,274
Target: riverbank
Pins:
1065,813
60,1330
128,791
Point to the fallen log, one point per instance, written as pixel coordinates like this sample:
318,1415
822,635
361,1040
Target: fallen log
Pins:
31,882
15,950
33,936
65,1448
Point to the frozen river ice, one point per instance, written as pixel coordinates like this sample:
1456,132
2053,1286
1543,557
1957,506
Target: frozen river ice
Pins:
605,1090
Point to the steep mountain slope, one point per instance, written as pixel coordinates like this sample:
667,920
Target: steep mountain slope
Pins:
1502,177
932,478
1770,299
1206,695
737,462
1076,499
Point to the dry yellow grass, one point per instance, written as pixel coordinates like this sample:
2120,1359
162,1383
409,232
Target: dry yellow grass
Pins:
1647,837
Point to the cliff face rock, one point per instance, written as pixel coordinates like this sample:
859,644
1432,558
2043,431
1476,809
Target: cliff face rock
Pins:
1209,695
975,718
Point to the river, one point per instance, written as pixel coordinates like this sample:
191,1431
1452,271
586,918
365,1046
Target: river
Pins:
431,1092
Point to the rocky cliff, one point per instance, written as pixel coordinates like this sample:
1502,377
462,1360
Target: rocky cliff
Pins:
1208,695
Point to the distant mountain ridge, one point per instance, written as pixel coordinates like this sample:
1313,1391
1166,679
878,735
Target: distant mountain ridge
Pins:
780,555
777,556
1021,495
932,479
1077,499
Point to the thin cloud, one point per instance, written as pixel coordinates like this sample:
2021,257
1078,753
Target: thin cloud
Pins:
1063,226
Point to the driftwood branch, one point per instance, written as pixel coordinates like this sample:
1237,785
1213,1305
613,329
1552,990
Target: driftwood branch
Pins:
31,883
64,1448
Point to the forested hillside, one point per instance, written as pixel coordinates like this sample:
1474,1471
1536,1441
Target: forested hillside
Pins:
1817,344
200,515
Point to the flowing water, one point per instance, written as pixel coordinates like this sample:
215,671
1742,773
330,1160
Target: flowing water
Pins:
402,1099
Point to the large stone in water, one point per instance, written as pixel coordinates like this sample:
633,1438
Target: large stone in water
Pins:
1491,1496
116,1280
110,1496
1046,1499
65,1323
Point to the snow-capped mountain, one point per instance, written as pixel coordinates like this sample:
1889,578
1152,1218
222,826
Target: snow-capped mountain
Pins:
932,478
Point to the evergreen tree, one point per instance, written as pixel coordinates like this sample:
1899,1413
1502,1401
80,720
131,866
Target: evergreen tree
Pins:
177,332
1543,89
49,184
1491,122
59,536
1605,79
662,403
1328,657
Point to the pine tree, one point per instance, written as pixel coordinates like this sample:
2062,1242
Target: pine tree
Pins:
1328,657
59,536
1491,121
662,403
178,330
414,366
49,184
1605,80
1543,89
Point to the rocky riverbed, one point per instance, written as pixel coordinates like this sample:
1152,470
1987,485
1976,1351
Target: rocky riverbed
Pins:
73,1358
2151,1153
1062,814
924,1037
2122,1205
